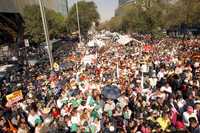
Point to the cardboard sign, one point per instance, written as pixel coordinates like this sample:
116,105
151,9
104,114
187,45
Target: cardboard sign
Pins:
14,97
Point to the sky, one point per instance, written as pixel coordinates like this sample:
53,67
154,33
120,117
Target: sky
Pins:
106,8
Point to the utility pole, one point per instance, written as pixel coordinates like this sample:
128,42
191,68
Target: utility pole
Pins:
67,6
78,21
44,22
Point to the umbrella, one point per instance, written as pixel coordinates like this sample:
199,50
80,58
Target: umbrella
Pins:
111,92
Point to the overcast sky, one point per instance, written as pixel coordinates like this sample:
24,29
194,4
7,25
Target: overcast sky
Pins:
106,8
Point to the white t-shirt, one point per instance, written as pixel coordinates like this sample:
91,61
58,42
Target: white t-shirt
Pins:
109,106
187,116
153,81
59,103
123,101
181,103
32,118
75,119
160,75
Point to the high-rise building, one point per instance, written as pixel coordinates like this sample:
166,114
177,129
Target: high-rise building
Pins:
59,6
122,2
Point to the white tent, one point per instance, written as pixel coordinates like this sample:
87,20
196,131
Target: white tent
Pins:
124,39
95,42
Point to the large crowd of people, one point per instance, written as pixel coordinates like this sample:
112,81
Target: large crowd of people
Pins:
157,91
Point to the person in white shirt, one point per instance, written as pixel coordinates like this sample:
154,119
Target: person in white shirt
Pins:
161,74
188,114
181,103
153,81
75,118
123,101
109,106
32,117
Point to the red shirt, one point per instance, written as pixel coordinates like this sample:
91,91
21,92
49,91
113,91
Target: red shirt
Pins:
55,114
180,125
145,130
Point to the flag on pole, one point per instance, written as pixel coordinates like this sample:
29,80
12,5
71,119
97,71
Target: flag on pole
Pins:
142,81
117,70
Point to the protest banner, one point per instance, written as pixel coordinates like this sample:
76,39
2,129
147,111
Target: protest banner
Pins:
14,97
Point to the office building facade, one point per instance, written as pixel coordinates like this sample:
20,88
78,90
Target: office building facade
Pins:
123,2
13,6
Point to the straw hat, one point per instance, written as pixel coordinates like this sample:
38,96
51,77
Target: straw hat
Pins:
46,110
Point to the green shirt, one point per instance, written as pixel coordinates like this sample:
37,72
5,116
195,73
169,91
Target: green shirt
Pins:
74,128
110,113
92,128
87,130
76,102
91,101
94,114
126,115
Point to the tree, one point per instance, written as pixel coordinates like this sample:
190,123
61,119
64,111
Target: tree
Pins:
33,23
87,15
184,12
182,15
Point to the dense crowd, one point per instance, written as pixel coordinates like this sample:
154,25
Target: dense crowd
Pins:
158,90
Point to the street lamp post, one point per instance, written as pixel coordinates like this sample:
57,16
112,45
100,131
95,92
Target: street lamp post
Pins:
67,7
49,49
78,21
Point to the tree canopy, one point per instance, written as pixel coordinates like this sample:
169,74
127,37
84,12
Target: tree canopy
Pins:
87,15
33,23
151,16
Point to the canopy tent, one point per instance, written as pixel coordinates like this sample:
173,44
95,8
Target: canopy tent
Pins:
95,43
124,39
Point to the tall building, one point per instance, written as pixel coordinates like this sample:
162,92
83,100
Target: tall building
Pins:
122,2
59,6
11,21
170,1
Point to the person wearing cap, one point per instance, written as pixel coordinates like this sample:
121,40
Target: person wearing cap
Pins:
188,114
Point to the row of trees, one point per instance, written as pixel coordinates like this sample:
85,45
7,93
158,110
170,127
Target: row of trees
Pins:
152,16
58,24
